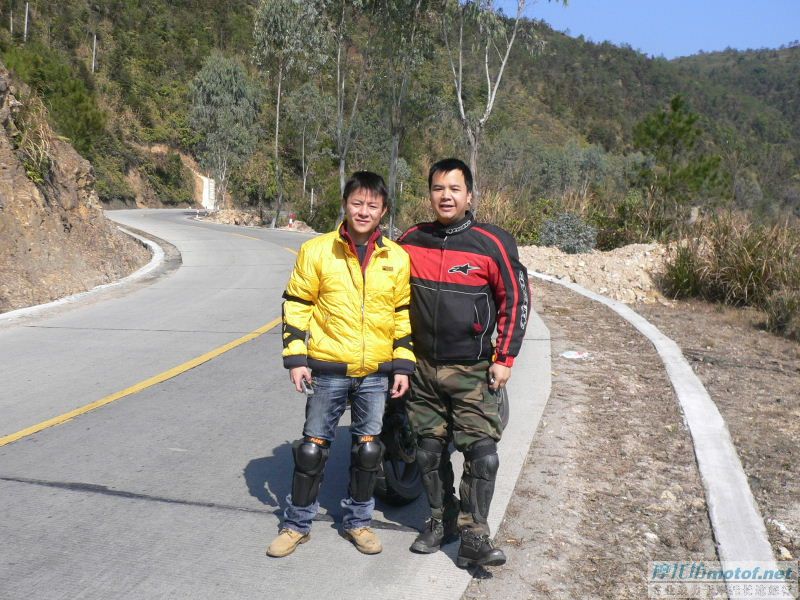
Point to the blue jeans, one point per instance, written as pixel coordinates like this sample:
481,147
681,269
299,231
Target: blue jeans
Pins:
367,397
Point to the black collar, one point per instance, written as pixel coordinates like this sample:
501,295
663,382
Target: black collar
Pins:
459,226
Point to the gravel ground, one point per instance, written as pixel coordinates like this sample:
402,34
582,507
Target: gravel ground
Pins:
754,378
610,480
628,274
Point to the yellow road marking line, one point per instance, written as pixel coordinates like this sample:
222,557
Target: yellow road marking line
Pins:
142,385
290,250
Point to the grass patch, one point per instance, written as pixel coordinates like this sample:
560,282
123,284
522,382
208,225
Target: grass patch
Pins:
729,259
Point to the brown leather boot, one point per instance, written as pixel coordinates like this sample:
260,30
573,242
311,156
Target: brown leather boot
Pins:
364,539
286,542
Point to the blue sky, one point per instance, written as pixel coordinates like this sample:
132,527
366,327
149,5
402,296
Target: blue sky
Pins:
672,27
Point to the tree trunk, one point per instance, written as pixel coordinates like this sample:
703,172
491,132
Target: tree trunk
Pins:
340,143
474,142
278,206
341,187
278,174
395,150
303,167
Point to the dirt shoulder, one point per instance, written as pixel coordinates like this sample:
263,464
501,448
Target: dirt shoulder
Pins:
610,481
754,379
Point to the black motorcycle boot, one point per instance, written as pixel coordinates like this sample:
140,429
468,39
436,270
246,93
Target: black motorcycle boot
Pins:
430,539
433,458
477,488
439,529
477,549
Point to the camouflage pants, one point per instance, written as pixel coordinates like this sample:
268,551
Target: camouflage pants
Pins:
453,402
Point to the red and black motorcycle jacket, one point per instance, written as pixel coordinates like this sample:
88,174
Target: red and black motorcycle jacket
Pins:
466,278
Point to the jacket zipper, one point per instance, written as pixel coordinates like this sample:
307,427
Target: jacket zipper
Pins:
363,304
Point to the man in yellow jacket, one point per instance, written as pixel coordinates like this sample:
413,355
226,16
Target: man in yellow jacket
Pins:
345,320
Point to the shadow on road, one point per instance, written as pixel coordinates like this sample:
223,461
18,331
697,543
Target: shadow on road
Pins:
269,480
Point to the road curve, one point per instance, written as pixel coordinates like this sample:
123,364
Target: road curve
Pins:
174,491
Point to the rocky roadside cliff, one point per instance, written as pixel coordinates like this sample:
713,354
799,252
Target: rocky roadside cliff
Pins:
54,238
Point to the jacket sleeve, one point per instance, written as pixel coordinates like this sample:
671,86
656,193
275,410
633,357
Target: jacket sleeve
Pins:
403,361
299,299
510,288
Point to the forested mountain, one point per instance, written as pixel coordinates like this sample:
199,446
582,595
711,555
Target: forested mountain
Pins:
563,127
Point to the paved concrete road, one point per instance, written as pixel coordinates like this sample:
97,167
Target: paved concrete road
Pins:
174,491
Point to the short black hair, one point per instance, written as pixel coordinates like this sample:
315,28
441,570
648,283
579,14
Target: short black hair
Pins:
451,164
366,180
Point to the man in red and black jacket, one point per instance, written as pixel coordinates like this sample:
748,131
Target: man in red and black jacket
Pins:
466,281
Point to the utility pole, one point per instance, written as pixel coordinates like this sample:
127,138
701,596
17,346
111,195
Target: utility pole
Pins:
311,213
25,29
11,22
94,50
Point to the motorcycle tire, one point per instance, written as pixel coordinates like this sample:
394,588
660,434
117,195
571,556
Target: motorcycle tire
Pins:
503,406
398,483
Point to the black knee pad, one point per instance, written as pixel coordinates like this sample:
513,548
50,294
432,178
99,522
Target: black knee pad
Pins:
366,453
481,464
431,460
310,457
482,458
365,460
429,453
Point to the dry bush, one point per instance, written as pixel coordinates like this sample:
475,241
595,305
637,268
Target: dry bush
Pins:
510,213
729,259
35,139
750,262
414,209
782,309
580,203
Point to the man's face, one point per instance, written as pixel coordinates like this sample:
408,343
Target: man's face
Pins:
449,196
363,212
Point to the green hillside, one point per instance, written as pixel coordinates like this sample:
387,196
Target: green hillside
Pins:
563,129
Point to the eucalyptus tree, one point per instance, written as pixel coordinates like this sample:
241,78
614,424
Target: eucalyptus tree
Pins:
224,114
286,33
495,37
310,111
405,43
255,180
353,65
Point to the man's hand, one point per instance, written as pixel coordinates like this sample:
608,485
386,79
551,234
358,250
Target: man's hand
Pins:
400,386
297,375
498,376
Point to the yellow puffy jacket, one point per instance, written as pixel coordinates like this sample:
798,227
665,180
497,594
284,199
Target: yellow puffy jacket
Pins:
356,320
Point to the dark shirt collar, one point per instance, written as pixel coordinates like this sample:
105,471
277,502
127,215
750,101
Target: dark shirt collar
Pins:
375,240
376,237
459,226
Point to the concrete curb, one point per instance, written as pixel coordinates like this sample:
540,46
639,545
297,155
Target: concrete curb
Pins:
735,517
155,261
